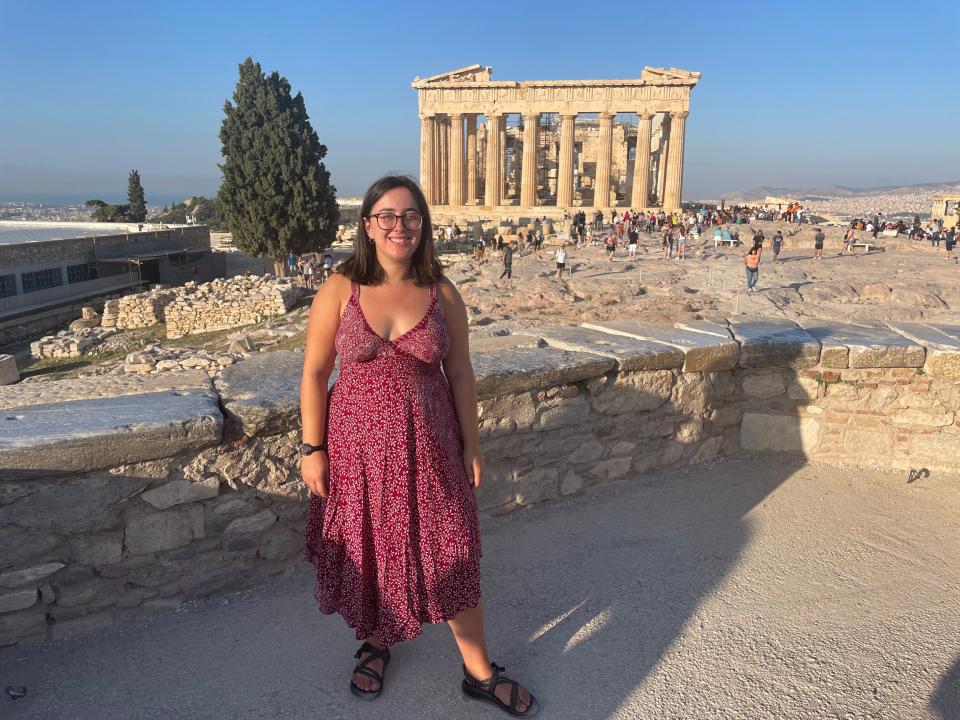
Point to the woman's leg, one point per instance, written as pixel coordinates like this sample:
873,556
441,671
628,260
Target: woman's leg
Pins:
467,630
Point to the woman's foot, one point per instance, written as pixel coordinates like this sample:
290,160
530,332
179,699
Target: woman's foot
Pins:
501,688
367,679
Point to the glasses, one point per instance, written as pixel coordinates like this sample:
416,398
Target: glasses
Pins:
388,220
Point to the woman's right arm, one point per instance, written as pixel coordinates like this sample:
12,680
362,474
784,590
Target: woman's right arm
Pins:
318,361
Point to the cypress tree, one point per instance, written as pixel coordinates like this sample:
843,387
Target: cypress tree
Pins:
137,204
276,197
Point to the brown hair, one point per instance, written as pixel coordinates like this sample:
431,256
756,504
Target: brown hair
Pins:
362,266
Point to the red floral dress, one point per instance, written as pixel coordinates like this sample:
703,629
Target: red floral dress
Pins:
396,543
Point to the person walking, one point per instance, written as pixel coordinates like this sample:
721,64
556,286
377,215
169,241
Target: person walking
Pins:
752,263
632,239
308,271
391,453
611,245
561,260
776,245
507,262
681,234
818,244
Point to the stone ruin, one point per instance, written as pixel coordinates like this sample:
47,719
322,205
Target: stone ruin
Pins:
187,310
215,305
179,486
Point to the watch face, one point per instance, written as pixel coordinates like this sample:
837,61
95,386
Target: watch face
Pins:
305,449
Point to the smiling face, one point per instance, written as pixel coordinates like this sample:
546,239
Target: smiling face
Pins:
397,244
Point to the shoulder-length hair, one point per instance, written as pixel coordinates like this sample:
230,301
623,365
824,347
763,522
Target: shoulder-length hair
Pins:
362,266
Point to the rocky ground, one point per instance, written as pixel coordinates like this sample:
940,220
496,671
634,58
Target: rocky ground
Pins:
907,281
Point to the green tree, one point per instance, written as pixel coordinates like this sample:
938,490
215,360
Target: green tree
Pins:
136,202
276,195
108,213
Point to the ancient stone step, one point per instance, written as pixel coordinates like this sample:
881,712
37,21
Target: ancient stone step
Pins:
702,352
771,341
871,345
629,352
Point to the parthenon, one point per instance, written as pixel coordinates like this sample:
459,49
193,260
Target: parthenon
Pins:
563,143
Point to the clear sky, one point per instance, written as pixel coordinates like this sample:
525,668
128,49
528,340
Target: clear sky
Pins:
799,95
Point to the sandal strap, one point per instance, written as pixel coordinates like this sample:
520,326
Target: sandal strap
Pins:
369,672
490,685
375,653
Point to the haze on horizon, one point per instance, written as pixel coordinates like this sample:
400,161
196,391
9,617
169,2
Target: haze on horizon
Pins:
789,97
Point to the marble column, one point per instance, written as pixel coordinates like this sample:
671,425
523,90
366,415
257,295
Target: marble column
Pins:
437,166
471,197
640,198
528,170
445,160
662,160
601,193
456,179
426,156
674,192
493,192
565,171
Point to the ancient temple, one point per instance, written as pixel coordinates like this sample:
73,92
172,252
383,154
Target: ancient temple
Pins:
561,143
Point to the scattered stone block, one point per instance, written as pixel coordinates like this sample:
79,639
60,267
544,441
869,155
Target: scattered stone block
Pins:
8,370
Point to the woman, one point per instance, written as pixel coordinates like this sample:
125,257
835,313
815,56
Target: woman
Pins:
681,243
611,245
392,456
752,262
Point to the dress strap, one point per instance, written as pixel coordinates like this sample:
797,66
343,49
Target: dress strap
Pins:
433,292
354,291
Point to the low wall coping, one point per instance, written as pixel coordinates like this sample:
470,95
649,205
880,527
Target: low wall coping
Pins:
871,345
772,341
92,434
630,353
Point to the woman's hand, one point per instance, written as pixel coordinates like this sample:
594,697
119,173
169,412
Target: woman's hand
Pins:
474,465
315,471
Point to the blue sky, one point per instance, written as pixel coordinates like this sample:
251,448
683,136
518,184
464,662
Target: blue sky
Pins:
852,93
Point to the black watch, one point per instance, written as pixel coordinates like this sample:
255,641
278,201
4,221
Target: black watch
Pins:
308,449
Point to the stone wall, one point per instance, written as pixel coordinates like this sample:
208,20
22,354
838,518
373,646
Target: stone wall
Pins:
214,305
177,486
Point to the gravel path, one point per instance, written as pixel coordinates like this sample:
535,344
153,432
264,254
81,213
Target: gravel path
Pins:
743,589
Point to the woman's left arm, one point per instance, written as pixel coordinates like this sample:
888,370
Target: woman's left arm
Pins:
459,373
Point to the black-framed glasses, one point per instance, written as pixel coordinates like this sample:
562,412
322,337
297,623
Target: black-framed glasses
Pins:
388,220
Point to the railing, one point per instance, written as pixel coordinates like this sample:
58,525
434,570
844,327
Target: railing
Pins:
38,298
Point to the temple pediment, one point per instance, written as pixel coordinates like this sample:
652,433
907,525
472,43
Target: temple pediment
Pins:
469,74
659,75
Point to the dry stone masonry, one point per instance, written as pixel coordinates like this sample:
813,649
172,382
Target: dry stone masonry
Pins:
215,305
176,485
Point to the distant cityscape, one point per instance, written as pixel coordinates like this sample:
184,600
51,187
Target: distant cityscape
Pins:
844,203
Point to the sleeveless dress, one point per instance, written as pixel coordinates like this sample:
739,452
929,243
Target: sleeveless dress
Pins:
397,542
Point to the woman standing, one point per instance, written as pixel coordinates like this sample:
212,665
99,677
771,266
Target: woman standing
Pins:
752,262
392,455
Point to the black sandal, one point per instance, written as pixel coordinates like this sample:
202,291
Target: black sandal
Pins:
486,690
362,669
